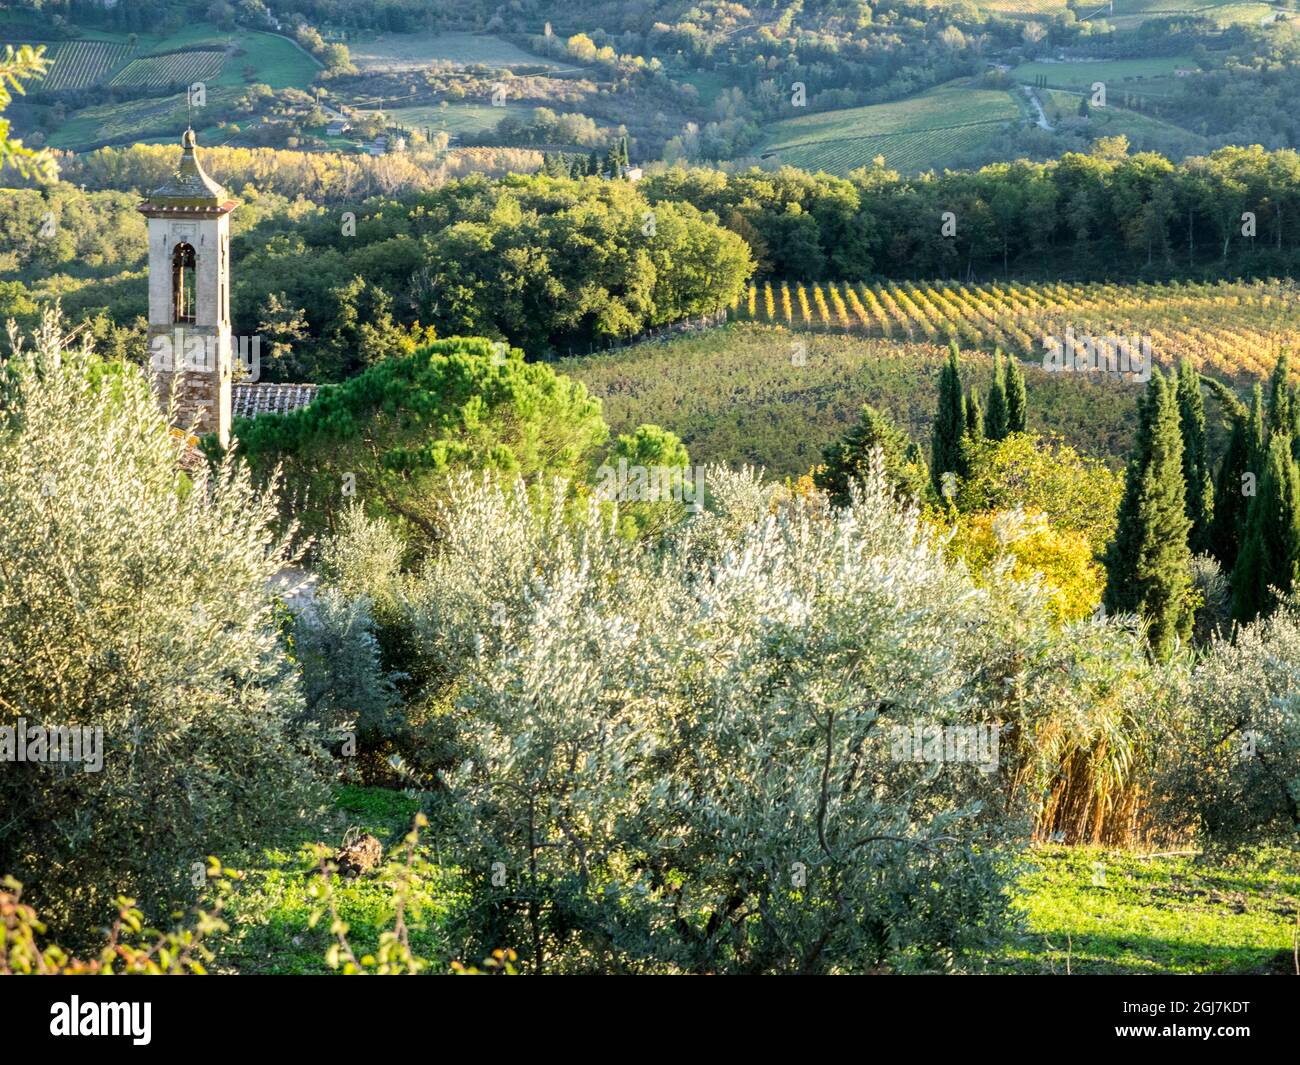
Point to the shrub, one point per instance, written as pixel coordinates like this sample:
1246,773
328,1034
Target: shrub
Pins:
128,947
1077,493
679,760
136,603
1231,760
1063,560
344,684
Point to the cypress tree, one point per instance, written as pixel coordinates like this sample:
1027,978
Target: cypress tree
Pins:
916,459
975,417
1295,424
949,422
1230,498
1256,439
1017,401
1270,548
1279,395
996,421
1196,463
1147,564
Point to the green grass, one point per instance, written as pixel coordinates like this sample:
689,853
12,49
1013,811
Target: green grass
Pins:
408,51
275,60
133,120
733,394
179,68
707,83
1130,13
1144,132
1097,912
270,909
1082,910
1153,76
927,131
458,117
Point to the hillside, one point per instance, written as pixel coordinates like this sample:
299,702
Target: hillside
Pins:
1235,330
774,398
928,131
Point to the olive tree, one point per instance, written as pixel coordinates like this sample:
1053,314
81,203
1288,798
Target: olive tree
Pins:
134,603
686,757
1231,760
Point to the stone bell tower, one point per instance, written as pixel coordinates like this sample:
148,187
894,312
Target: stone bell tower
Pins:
189,295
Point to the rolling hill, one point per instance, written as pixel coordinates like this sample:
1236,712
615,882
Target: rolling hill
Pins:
927,131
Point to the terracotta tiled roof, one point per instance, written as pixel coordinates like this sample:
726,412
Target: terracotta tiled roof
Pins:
250,400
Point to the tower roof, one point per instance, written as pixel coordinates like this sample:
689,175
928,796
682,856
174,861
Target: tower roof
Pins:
189,190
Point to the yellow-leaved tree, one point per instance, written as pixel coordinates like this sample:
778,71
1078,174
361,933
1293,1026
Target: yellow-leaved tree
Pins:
1062,558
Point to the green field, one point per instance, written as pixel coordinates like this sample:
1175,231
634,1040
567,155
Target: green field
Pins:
178,68
131,121
709,84
457,118
198,52
272,60
410,51
79,64
743,400
1144,132
1090,911
1023,9
931,130
1082,910
1149,77
1129,13
225,62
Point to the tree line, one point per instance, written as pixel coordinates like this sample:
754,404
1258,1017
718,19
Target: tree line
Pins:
1104,214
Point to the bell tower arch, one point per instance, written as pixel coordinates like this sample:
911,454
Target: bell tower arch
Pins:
189,295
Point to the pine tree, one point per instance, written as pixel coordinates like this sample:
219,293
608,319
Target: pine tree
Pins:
1230,499
848,460
996,422
1279,395
1270,548
1017,401
593,163
1196,463
949,422
1147,564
